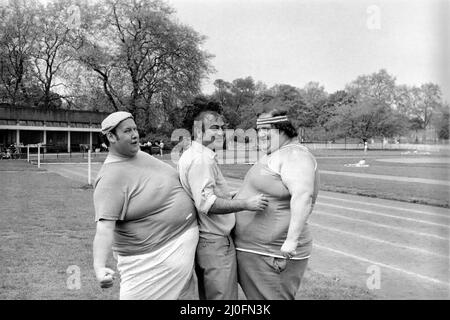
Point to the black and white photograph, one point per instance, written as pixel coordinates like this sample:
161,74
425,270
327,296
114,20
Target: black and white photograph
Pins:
226,151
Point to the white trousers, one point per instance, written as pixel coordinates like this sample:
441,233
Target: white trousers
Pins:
164,274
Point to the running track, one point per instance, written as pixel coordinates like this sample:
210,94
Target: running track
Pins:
353,235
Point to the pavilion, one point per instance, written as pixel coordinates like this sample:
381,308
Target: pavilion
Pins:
58,130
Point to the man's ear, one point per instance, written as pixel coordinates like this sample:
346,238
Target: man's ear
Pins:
111,137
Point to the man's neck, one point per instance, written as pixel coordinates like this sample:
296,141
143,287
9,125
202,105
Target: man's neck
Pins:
119,155
287,141
203,142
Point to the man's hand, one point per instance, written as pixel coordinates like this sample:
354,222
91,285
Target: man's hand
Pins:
105,277
233,193
257,203
288,249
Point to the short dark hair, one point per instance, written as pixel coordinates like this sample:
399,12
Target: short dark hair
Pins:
197,110
286,127
201,116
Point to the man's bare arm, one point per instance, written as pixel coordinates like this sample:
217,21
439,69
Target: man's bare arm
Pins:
298,173
101,249
201,178
224,206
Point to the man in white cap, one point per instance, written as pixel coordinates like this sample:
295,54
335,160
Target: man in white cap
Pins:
144,215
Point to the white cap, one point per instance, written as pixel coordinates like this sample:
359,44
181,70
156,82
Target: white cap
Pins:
114,119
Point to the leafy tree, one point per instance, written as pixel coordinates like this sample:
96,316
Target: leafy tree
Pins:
315,99
242,97
365,119
442,121
422,105
379,86
427,100
54,48
17,40
237,99
223,92
146,61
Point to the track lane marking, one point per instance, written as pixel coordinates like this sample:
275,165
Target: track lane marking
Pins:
384,215
72,172
387,177
380,225
235,184
391,267
379,240
385,206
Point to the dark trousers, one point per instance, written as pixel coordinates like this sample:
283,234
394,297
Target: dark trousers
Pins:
216,269
268,278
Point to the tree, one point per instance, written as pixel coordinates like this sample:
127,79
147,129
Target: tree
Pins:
315,98
367,118
379,86
17,39
243,93
330,109
426,101
222,92
423,107
376,108
145,60
442,121
54,49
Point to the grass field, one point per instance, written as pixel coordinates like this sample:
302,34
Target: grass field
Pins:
381,162
438,195
48,226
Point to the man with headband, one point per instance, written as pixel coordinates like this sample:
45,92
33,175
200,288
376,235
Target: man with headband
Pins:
273,246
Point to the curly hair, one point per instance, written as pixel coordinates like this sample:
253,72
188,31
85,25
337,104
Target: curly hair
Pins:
197,110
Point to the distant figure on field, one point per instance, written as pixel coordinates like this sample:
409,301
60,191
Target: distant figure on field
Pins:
161,148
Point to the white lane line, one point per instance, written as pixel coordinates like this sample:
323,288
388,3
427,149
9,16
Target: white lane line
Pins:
340,231
236,184
384,206
70,163
384,215
381,225
437,281
387,177
67,172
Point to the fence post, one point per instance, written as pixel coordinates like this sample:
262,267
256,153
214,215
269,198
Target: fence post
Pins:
89,167
39,155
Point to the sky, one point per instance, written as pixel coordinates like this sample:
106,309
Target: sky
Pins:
328,41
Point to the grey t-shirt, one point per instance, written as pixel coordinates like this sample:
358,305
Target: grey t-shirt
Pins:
145,198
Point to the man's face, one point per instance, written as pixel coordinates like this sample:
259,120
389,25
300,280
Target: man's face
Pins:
268,137
214,130
126,139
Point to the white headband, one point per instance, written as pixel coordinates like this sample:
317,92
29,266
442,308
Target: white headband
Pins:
272,120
